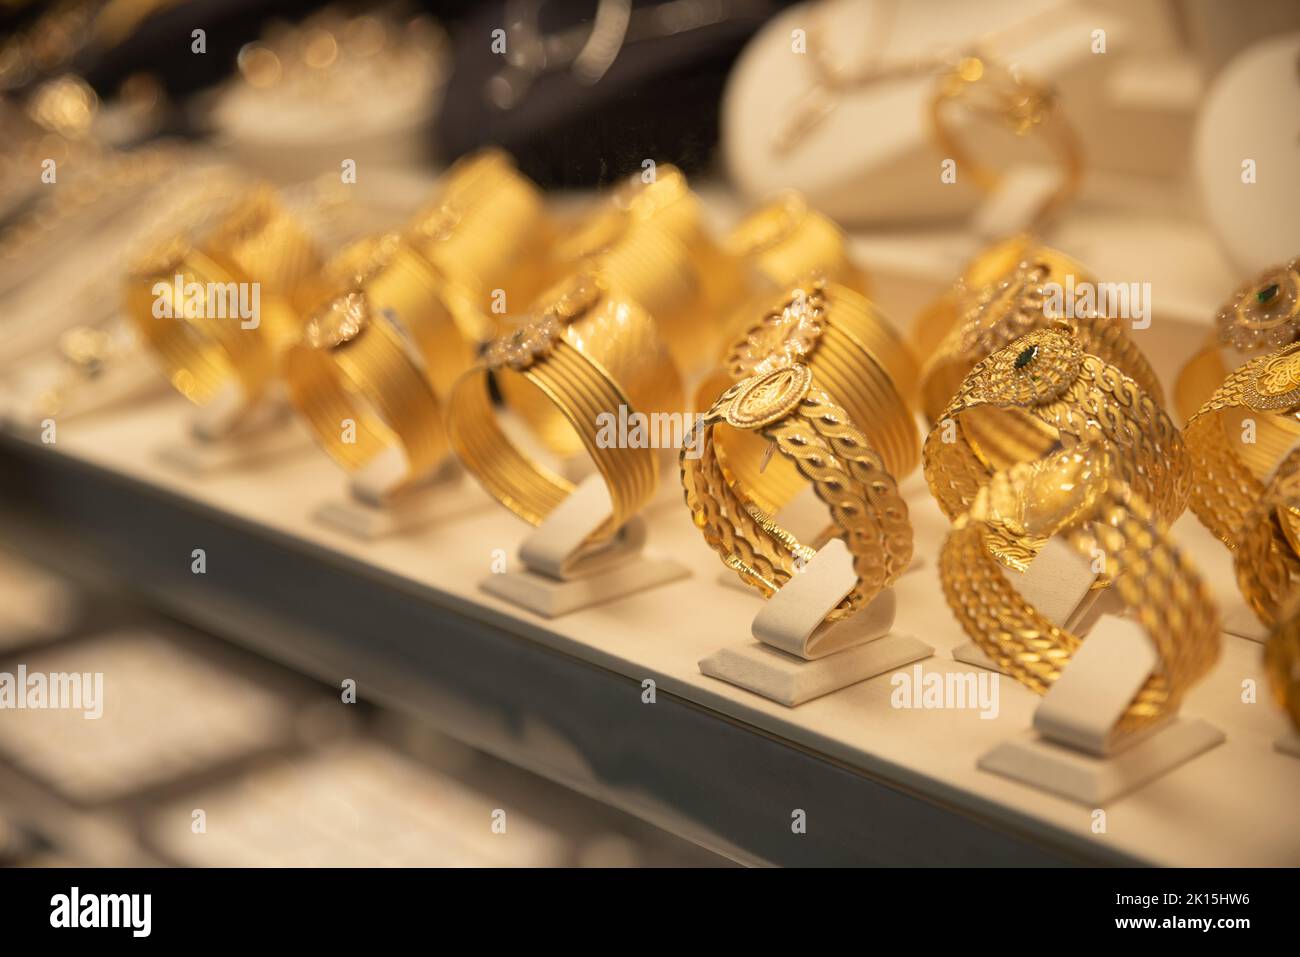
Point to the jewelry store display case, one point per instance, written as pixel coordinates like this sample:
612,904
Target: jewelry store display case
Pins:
571,620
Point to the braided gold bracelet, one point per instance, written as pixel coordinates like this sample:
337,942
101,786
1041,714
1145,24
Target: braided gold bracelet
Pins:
789,410
857,359
1047,392
1267,553
1078,494
1259,400
1014,305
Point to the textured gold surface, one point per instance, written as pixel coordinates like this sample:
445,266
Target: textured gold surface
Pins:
1079,494
1282,660
1266,561
856,358
1064,395
1229,471
608,355
788,409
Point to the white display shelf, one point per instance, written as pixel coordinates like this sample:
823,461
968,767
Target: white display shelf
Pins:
718,765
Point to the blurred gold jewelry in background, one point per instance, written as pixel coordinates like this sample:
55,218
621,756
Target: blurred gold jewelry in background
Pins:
257,247
1078,493
1282,660
1265,557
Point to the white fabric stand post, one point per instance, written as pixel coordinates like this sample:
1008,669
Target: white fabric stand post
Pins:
562,575
224,434
1059,584
381,502
1073,751
795,657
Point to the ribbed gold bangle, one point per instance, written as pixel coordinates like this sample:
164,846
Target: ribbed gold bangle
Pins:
857,359
362,389
1233,440
789,411
1047,391
1078,494
257,244
485,230
1282,660
648,240
1266,559
785,240
1261,315
589,354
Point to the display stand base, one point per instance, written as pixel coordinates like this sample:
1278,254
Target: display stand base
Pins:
1240,621
222,437
562,574
1092,780
552,597
791,681
969,653
442,498
1289,743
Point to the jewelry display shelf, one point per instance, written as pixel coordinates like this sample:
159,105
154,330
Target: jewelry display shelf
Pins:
404,617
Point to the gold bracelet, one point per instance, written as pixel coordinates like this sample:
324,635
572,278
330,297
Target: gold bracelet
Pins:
1266,557
593,356
485,232
1262,315
257,247
858,360
359,380
1042,390
787,408
785,240
991,90
1079,494
1282,660
1018,303
648,241
1235,439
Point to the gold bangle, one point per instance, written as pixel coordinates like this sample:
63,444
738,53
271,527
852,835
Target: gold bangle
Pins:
1018,303
858,360
1079,494
937,320
1282,660
1044,389
591,355
791,412
648,241
485,231
1259,404
993,91
785,240
361,390
1261,315
257,245
1266,559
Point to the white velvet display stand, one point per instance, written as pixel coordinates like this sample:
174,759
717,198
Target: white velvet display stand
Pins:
1071,750
381,502
224,435
796,658
560,575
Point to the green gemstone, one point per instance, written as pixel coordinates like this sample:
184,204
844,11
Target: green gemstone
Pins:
1267,293
1026,357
